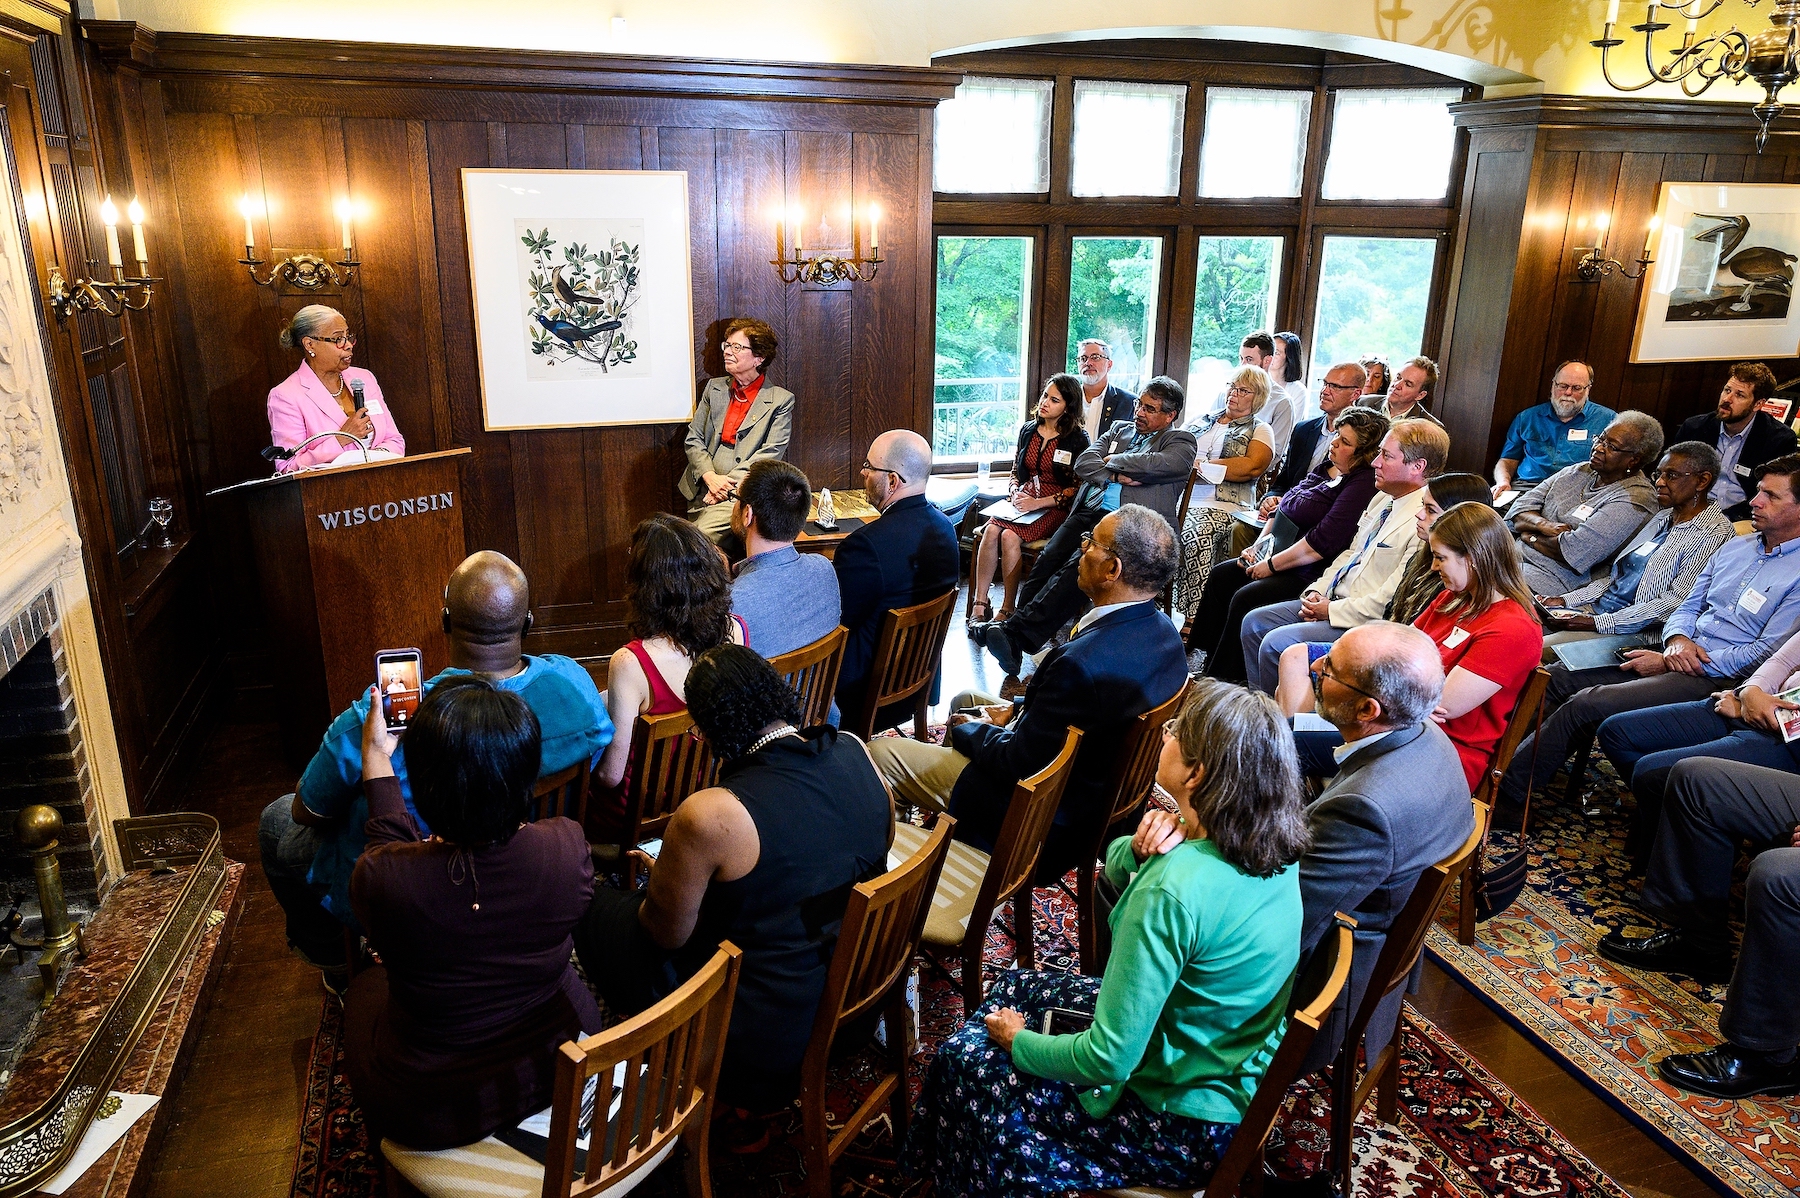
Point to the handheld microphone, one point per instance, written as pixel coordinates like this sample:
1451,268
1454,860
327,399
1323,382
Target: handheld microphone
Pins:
356,393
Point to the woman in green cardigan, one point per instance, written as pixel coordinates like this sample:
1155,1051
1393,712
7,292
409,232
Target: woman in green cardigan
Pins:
1206,936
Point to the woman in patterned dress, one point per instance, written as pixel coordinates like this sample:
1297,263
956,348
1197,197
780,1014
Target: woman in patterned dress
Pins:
1043,483
1239,448
1188,1015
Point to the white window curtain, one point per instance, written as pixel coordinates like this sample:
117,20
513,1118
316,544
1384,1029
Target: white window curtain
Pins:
1254,143
1390,144
994,136
1127,138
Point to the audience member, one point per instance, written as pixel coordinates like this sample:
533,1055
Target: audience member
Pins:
1043,485
1188,1012
310,840
1659,564
739,419
1123,659
1286,368
1314,523
907,557
1235,449
1312,438
1744,435
1552,435
1102,404
1713,805
1571,524
1419,583
453,1034
1359,583
1395,807
1745,602
786,599
765,859
1414,384
677,606
1377,376
1146,461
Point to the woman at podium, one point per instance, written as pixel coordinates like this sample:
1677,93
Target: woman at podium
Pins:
327,394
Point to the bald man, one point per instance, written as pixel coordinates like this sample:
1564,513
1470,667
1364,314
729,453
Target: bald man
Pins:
907,556
310,839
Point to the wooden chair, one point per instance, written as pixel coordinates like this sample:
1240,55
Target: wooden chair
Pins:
667,765
1525,712
663,1063
1133,772
906,660
869,968
1313,997
1405,942
976,883
563,793
812,670
1028,554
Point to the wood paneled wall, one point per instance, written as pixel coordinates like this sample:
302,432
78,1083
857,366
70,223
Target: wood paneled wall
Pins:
298,124
1536,168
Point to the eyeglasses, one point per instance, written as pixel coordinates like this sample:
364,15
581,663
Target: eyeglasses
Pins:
1570,388
342,340
1328,385
1672,475
874,469
1241,391
1156,409
1609,445
1091,358
1087,539
733,347
1325,671
1168,728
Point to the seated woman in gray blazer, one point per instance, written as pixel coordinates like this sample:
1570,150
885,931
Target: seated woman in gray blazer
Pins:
741,418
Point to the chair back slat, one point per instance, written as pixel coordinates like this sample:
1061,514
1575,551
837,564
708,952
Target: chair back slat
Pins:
563,793
907,655
667,765
812,670
1531,697
670,1058
1135,768
1021,839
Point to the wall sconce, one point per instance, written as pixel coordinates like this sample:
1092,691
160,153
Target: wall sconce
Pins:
1594,265
306,271
827,269
99,295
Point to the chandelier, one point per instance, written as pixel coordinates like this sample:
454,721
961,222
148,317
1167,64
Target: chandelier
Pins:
1767,58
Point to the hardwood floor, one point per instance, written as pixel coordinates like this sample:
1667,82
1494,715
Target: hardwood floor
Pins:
236,1119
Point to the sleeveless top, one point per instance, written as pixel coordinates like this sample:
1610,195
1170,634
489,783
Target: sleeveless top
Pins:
822,821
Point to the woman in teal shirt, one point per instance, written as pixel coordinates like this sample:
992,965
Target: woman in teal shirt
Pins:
1206,936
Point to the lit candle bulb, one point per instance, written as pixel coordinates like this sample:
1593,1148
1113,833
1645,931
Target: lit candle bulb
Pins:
343,215
799,230
874,227
135,213
780,234
249,229
1612,12
1650,237
109,216
1601,223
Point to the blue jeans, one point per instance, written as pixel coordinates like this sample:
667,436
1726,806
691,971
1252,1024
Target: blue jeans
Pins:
1269,630
287,848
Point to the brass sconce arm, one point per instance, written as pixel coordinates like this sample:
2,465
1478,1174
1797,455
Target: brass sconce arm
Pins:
111,297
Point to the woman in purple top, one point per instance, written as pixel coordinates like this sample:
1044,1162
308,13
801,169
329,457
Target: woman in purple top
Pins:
454,1035
1315,522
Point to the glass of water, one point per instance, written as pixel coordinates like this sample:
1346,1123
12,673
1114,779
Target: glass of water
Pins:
162,514
982,471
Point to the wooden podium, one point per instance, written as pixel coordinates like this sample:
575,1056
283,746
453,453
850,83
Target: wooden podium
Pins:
352,560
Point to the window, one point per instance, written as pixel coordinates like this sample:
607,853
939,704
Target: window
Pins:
994,136
1127,138
1236,286
1254,143
1373,293
1113,283
1369,126
983,298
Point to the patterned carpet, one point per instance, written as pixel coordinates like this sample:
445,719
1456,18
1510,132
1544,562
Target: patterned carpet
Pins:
1461,1134
1536,964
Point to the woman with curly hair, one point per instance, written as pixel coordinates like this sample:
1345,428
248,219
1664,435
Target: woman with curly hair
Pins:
677,606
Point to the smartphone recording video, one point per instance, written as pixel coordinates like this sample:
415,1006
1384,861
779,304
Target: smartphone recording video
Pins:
398,680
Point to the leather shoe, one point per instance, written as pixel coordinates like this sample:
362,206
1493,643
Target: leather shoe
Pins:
997,642
1668,951
1730,1072
977,629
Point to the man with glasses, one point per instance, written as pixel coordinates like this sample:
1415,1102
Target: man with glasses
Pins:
740,419
1552,435
1570,526
1102,404
1744,434
1413,384
908,556
1144,461
1312,438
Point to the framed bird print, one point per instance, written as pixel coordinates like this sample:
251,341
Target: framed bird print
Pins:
583,296
1722,280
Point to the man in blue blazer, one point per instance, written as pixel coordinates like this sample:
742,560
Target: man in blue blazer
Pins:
1124,659
908,556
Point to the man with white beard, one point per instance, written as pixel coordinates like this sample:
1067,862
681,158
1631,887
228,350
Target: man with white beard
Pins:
1544,439
1101,402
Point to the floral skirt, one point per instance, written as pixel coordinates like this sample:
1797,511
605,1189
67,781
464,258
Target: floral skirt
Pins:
982,1127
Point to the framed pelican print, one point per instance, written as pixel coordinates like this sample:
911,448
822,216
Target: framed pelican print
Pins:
1722,281
583,296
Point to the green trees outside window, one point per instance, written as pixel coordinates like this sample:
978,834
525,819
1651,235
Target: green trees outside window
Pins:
979,384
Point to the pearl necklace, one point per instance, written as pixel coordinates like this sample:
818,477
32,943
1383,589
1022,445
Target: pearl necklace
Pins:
771,737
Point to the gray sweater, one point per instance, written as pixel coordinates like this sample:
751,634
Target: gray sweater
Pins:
1605,517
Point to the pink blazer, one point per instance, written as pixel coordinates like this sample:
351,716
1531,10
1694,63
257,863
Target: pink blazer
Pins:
300,407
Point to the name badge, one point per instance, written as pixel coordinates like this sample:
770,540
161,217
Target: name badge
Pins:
1582,512
1646,549
1457,636
1578,434
1062,457
375,409
1752,600
1741,471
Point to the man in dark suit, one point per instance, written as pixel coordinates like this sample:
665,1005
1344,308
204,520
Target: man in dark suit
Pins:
1312,438
1745,436
908,556
1124,659
1397,806
1102,404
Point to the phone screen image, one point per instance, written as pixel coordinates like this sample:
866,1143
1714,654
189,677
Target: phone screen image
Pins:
1060,1021
397,678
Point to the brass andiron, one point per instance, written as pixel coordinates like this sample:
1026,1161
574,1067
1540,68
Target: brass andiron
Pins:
37,830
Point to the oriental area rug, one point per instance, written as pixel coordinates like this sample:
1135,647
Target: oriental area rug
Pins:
1461,1133
1536,964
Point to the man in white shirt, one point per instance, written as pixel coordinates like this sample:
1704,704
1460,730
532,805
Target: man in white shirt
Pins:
1414,383
1101,403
